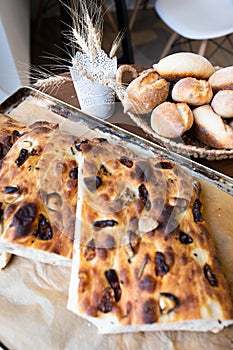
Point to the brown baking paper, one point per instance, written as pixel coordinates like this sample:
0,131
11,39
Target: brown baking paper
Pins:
33,298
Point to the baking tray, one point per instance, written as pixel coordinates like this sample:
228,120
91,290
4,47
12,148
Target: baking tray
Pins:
33,295
142,145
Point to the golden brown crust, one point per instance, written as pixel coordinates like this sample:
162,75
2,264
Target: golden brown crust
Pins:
211,129
12,130
192,91
184,64
171,120
162,269
145,92
222,79
38,192
222,103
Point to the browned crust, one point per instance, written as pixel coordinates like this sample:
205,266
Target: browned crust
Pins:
206,137
137,272
184,64
211,129
219,87
174,77
192,91
222,79
44,191
146,92
171,120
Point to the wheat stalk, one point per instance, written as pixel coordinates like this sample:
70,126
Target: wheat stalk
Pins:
80,41
51,81
116,44
88,29
87,34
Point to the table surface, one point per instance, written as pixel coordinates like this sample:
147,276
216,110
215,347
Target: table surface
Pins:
66,93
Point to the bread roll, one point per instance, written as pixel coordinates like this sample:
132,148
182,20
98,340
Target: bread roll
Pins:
184,64
192,91
211,129
222,103
171,119
145,92
222,79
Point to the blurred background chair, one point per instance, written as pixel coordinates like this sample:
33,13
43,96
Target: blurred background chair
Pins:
199,20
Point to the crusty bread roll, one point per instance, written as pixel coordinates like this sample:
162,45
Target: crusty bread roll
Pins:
211,129
222,79
184,64
145,92
222,103
192,91
171,119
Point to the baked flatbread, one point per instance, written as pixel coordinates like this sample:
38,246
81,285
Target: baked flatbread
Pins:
11,131
143,257
38,192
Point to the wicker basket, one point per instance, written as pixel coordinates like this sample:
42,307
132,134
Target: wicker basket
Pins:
187,145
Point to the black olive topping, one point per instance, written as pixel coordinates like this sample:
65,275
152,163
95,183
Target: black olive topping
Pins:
104,223
161,267
143,195
44,230
210,276
164,165
196,209
113,280
23,155
73,174
184,238
107,301
126,161
11,189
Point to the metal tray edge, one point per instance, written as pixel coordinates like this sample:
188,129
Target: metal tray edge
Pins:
70,112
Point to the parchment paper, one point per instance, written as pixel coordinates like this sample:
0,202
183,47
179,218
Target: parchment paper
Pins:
33,299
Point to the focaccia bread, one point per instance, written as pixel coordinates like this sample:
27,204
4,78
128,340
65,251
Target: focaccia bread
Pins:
143,257
38,192
11,131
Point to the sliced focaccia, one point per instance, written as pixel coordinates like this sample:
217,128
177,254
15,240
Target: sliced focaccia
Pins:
143,257
38,192
11,131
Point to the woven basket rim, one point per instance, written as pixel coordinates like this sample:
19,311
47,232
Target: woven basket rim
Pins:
192,150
